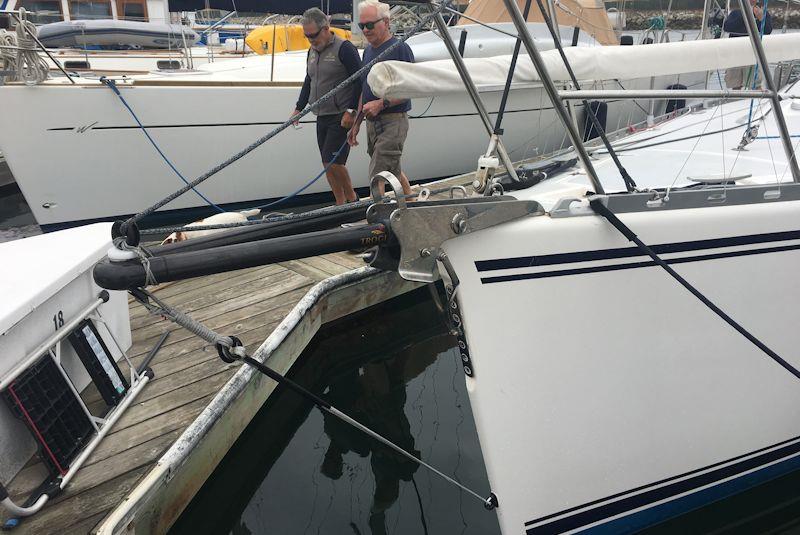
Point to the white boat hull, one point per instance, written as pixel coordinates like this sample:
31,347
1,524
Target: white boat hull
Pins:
90,162
604,393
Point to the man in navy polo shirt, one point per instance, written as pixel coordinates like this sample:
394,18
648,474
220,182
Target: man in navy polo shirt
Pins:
387,119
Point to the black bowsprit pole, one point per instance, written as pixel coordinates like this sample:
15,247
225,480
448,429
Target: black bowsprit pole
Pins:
601,209
140,272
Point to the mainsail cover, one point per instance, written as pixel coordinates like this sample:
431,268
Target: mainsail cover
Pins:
397,79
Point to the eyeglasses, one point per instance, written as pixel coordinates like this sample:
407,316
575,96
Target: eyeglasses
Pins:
313,35
369,25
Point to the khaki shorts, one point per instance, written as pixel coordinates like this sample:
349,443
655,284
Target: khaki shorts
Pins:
385,138
738,77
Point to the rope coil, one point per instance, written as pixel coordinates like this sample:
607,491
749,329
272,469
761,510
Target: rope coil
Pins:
18,53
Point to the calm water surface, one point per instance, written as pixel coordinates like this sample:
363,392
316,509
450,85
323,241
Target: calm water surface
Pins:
297,470
394,368
16,219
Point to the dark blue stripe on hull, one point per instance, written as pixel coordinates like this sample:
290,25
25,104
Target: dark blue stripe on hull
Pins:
691,502
635,265
788,458
630,252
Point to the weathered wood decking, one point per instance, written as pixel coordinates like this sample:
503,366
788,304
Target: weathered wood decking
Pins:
188,373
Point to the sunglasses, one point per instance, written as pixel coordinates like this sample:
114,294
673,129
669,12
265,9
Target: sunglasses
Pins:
369,25
310,36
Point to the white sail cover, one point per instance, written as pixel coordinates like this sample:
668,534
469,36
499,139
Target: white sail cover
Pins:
397,79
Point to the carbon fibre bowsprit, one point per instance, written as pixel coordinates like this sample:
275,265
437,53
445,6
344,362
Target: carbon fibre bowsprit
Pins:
133,273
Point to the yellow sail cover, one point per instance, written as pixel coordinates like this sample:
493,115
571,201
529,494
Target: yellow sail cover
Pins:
286,37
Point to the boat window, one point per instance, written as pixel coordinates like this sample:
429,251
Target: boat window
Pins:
42,11
82,10
132,10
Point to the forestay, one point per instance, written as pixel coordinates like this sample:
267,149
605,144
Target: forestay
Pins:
394,79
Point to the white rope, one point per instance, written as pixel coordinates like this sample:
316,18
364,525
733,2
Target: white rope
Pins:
19,53
121,244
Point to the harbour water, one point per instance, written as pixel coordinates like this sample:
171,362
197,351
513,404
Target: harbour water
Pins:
394,367
16,219
297,470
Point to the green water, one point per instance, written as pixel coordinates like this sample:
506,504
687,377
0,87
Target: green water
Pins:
395,369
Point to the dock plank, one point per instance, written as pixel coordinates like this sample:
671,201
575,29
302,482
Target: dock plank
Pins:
186,350
74,509
188,373
196,300
142,346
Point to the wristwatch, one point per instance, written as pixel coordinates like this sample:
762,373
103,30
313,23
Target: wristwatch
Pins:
350,111
386,103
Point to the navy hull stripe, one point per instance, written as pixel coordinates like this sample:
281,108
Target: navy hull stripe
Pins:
658,494
635,265
628,252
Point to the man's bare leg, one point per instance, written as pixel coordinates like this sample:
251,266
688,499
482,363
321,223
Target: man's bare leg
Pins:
405,183
344,182
336,189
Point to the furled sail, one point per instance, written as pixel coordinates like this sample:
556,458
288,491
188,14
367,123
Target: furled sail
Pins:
395,79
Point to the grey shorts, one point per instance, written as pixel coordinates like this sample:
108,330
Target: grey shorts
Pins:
385,138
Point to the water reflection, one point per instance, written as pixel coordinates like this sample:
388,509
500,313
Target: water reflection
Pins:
375,395
16,219
299,470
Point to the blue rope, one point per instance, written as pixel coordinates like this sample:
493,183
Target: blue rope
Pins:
755,72
113,86
308,185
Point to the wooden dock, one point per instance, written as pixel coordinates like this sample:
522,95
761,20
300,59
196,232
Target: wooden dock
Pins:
188,373
249,304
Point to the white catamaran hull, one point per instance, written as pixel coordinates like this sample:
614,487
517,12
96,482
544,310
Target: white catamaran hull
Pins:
78,155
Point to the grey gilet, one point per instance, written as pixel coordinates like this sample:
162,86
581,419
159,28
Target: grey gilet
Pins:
326,71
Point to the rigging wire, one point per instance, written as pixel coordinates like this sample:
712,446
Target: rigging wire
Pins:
688,156
231,350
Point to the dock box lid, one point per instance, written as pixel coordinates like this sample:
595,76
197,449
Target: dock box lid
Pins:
34,269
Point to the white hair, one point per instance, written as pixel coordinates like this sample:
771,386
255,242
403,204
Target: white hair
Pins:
381,8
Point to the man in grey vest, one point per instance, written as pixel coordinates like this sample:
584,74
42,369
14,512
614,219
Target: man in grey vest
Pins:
330,61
